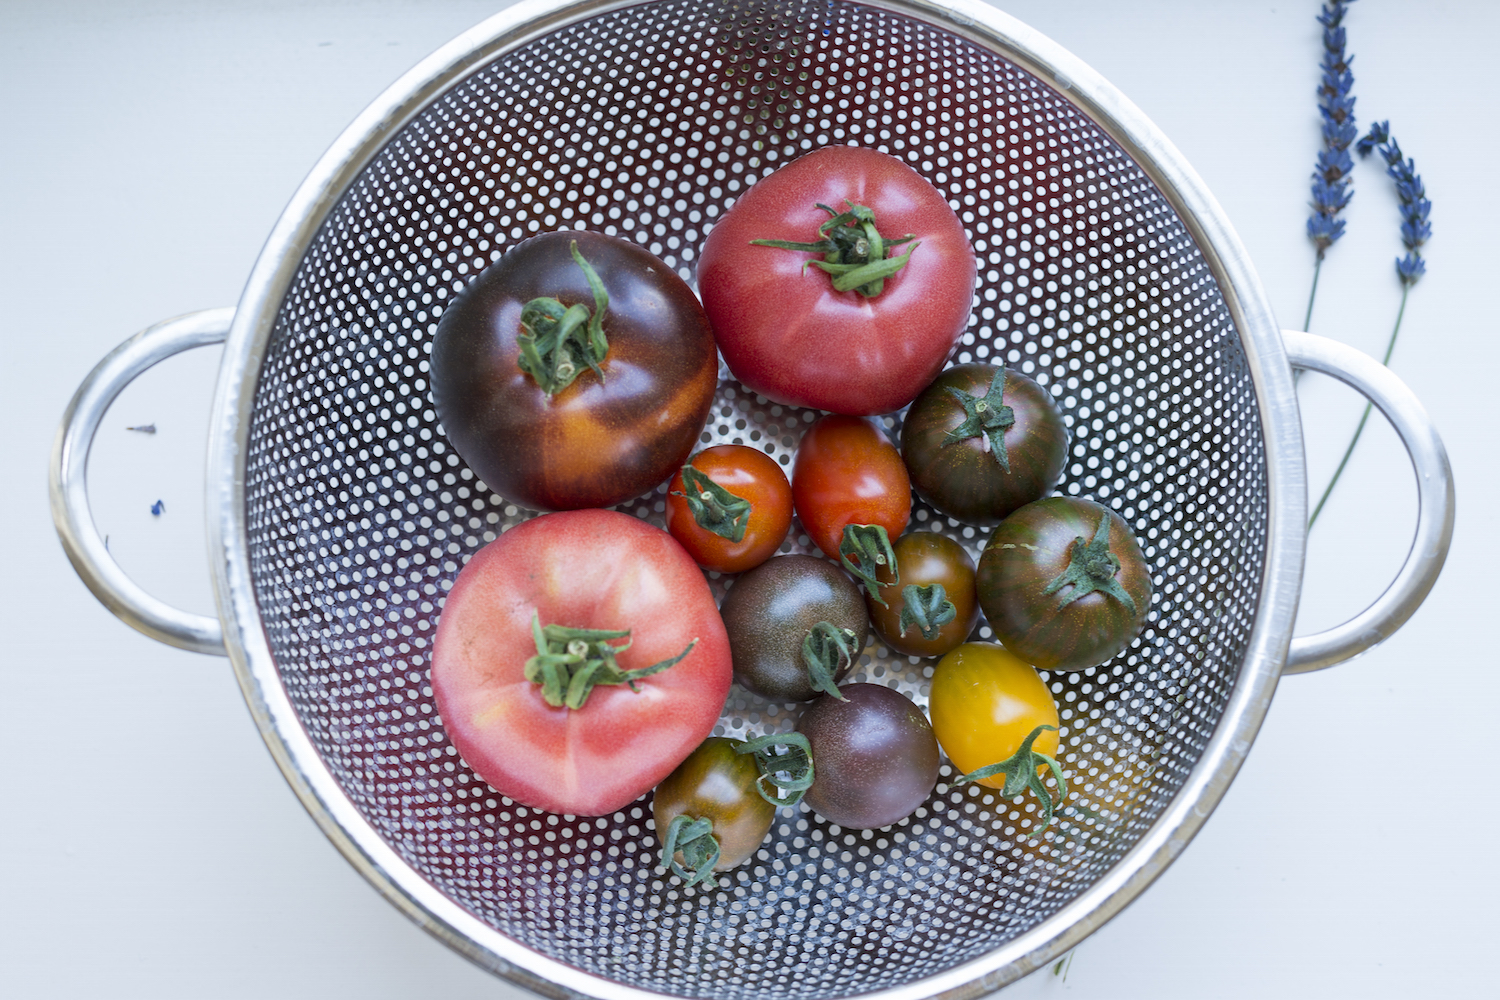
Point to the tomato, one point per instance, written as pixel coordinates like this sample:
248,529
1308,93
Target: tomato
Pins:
933,608
579,570
1064,584
739,517
875,755
851,491
981,441
985,702
797,625
788,333
604,435
721,804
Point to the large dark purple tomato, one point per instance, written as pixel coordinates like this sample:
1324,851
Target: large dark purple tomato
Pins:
773,616
876,757
1064,584
975,460
589,438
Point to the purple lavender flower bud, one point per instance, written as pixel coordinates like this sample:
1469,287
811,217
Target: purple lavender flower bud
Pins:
1331,188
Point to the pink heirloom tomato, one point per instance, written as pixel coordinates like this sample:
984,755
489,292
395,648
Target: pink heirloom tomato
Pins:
835,308
555,604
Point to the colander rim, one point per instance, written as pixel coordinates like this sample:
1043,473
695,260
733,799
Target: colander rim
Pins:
310,777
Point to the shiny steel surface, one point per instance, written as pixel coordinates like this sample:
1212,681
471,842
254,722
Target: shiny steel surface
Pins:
339,514
67,482
1435,503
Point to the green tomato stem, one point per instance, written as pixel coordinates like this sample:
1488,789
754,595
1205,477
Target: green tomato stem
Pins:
927,607
570,662
1091,567
986,417
557,342
700,850
871,545
1020,770
826,649
790,773
854,253
713,507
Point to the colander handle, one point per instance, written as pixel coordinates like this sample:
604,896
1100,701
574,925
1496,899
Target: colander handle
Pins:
1435,502
68,486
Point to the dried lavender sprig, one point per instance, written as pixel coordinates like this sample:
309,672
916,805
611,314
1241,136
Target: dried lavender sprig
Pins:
1416,230
1331,187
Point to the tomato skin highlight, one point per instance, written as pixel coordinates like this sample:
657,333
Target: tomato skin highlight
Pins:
848,472
963,479
587,569
719,785
985,701
1030,549
924,558
593,444
788,335
752,475
874,754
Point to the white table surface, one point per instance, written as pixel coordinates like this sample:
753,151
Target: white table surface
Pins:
150,848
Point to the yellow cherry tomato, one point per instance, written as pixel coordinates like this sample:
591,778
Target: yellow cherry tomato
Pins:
985,701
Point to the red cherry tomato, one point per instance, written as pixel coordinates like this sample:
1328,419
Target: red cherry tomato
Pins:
713,525
585,569
848,474
789,334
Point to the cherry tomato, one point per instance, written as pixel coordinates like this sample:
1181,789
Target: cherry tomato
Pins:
603,436
847,482
934,605
1064,584
505,704
739,518
978,458
875,754
985,700
787,612
720,786
788,333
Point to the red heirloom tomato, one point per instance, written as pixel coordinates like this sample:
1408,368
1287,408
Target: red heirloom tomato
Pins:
851,492
981,441
851,341
1064,584
737,511
575,371
549,605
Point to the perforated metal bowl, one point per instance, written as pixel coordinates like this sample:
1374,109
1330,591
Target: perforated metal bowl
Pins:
340,515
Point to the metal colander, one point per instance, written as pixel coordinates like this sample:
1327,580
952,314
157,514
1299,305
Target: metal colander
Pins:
341,514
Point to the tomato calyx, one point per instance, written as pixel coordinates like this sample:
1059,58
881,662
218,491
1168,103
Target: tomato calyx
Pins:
872,546
927,607
826,650
854,253
789,772
570,662
1021,771
985,417
1091,567
557,342
695,838
713,507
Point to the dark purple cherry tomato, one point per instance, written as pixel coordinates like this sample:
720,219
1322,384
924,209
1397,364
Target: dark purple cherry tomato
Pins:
1064,584
933,608
562,435
877,759
718,785
786,610
975,460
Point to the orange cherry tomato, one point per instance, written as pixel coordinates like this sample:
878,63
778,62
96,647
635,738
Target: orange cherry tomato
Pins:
741,523
927,561
848,473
